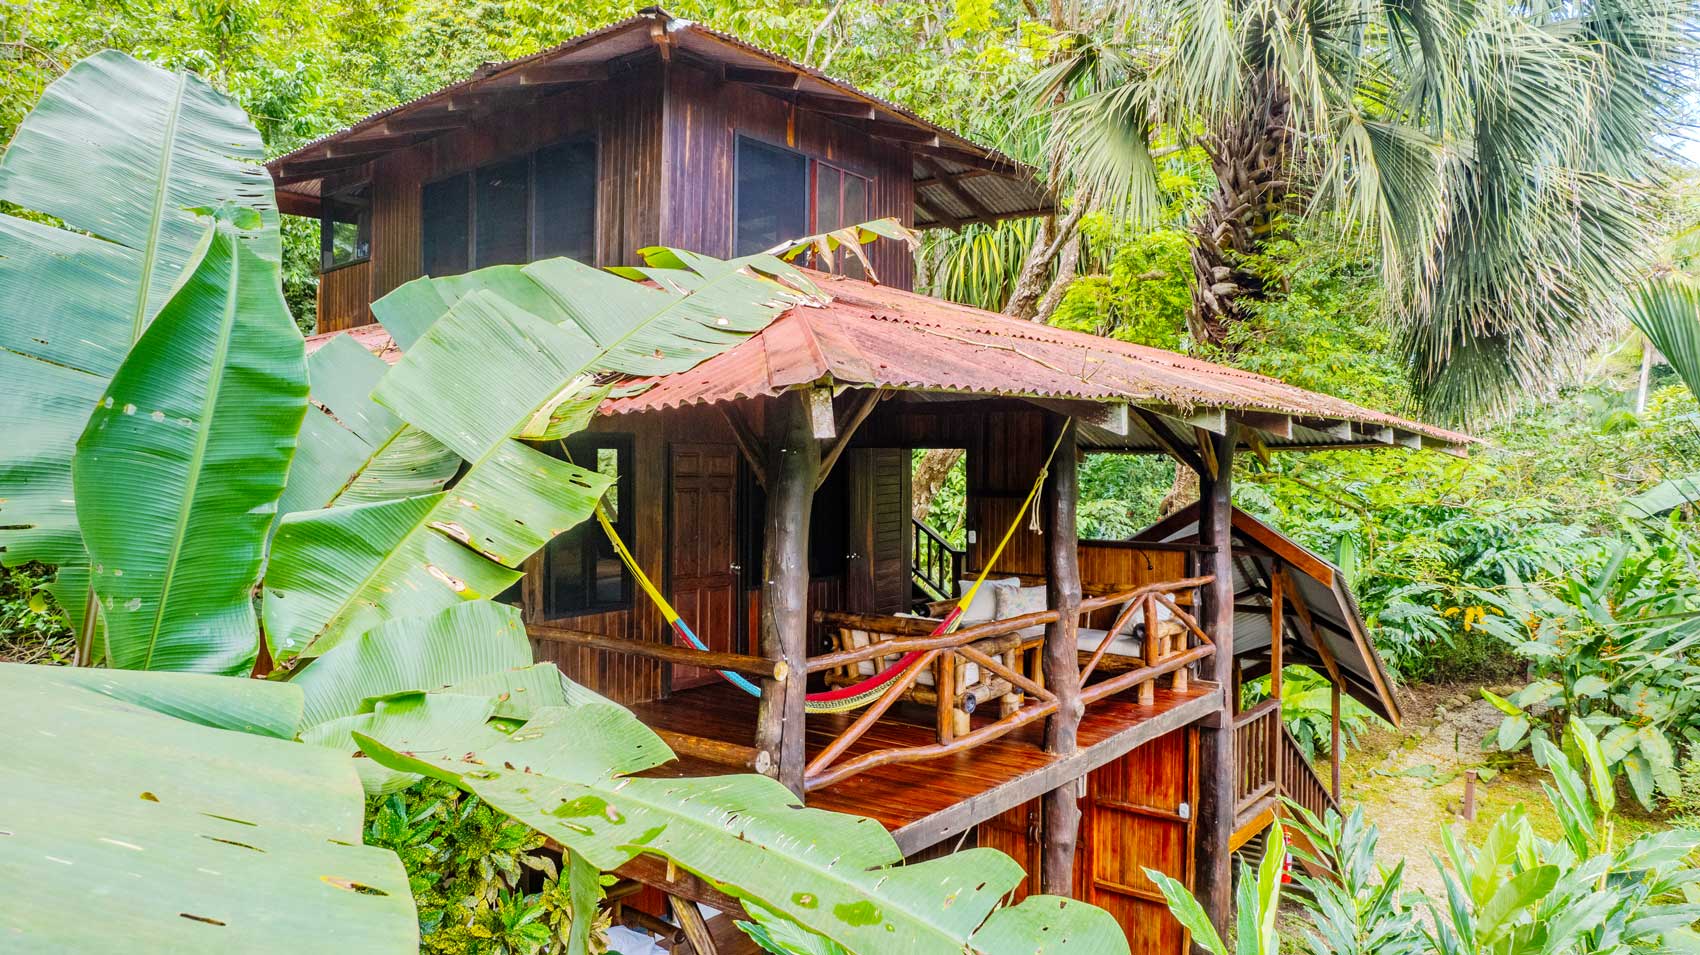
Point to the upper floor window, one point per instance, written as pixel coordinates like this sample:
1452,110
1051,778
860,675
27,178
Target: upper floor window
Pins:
345,227
772,196
783,195
536,206
581,570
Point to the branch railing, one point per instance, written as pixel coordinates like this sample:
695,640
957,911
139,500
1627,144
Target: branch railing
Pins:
1166,652
934,561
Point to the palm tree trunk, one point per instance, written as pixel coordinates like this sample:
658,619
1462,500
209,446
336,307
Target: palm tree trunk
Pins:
1249,157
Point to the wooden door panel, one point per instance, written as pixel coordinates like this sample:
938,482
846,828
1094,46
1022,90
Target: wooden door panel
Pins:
1015,832
877,579
1138,815
702,555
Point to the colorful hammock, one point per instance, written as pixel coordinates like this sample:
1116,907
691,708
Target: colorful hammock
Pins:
859,694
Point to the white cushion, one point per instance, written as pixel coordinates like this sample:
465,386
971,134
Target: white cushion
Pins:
1125,645
984,605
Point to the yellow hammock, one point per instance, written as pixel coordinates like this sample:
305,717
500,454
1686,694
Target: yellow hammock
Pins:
865,692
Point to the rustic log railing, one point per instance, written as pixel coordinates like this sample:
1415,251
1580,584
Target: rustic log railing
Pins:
934,561
1299,779
1163,656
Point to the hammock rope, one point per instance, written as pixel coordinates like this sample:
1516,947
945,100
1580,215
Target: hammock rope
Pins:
858,695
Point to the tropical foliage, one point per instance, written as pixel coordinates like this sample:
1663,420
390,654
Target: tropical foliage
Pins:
1514,892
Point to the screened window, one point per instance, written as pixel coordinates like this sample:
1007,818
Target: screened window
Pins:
564,211
345,227
772,196
518,210
581,571
841,199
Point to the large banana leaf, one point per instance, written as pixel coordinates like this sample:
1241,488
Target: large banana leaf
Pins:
568,773
534,376
121,152
178,474
353,450
127,830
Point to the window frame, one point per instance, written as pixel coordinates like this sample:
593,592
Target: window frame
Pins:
362,224
739,137
582,447
469,179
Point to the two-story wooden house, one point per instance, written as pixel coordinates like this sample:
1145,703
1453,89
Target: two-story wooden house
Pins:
1087,720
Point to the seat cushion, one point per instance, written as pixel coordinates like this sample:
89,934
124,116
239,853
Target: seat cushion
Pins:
1126,645
984,606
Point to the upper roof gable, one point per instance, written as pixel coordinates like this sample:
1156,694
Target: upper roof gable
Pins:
956,180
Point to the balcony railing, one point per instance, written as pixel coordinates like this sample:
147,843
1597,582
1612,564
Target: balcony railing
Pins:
934,562
1162,656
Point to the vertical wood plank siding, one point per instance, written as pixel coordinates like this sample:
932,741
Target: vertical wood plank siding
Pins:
704,118
344,294
624,115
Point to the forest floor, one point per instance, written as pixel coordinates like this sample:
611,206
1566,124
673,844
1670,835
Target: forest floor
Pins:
1411,780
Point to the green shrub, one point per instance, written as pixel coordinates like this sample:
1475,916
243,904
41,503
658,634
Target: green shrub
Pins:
480,880
32,628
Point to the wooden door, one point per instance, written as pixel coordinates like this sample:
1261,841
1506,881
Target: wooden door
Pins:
877,572
702,553
1015,832
1139,814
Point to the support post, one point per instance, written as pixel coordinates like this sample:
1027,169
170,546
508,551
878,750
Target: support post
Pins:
793,463
1334,735
1216,768
1277,663
1062,656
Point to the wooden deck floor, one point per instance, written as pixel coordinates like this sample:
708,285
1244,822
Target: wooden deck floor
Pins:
923,803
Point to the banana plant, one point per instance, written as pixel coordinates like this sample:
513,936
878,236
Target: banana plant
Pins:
571,772
124,154
164,797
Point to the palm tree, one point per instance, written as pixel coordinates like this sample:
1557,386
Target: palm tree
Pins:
1504,152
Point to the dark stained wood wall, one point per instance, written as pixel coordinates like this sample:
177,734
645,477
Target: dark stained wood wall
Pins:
704,117
343,297
623,113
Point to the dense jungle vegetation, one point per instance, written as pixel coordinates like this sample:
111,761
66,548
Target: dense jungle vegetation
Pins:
1561,557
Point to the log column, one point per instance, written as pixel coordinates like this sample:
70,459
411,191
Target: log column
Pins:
792,466
1062,661
1216,737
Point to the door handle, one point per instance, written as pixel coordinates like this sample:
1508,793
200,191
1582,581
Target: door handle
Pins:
735,567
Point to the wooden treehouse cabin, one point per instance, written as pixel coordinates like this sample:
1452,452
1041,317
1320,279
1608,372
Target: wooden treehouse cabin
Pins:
1085,717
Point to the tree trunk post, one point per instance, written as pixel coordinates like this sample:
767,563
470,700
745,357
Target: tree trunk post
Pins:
793,463
1216,739
1062,657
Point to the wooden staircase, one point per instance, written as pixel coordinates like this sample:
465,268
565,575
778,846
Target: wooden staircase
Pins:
934,564
1269,766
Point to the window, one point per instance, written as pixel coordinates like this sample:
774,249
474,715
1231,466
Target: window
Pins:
345,227
772,198
841,199
519,210
581,571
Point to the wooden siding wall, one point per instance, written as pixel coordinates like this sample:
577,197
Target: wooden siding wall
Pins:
623,113
628,679
705,116
343,297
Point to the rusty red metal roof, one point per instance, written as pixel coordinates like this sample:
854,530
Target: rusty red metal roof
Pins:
877,337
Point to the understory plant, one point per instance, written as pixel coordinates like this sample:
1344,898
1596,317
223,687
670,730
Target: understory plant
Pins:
1513,892
1617,651
479,879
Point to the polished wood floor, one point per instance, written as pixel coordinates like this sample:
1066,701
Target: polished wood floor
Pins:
924,801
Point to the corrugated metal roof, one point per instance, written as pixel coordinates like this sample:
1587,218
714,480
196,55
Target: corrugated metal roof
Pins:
1321,587
1005,188
872,336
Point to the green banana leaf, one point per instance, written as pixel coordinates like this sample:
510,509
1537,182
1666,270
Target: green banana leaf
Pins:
122,153
461,643
353,450
568,773
178,473
177,837
259,707
343,570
